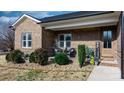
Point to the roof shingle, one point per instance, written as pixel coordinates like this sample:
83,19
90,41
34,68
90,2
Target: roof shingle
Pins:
73,15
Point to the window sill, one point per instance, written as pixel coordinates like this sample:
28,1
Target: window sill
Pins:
27,47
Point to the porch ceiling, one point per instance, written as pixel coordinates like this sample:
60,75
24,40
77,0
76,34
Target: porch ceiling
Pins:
84,22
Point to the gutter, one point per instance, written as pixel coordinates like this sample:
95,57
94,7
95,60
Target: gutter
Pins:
87,15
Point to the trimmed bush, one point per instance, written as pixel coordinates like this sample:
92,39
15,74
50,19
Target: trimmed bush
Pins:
81,54
19,59
42,56
15,56
9,57
39,56
32,57
61,59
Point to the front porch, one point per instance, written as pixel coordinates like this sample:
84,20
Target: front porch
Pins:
89,36
89,30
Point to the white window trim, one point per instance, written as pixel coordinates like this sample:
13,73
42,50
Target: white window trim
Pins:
64,40
26,40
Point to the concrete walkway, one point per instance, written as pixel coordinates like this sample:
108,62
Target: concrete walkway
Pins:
105,73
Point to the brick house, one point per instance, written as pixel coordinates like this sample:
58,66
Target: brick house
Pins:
70,30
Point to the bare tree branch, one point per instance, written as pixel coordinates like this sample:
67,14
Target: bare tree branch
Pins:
7,38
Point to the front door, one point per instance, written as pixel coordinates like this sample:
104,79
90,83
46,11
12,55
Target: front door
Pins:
107,46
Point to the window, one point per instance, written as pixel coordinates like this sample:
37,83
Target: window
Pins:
107,35
26,40
64,41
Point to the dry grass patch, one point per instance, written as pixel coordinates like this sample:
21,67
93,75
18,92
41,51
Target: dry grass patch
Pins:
7,73
51,72
56,75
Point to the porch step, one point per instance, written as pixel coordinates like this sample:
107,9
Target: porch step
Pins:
107,58
109,64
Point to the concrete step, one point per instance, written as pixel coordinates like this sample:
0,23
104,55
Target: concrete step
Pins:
107,58
109,64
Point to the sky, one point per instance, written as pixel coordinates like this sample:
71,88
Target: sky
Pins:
9,17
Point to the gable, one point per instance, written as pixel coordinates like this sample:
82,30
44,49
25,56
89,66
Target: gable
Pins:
24,17
27,25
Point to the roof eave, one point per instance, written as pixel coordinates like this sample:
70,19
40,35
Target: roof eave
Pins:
25,15
93,14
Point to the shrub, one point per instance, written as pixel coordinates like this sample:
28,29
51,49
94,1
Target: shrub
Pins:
42,56
81,54
19,59
87,51
32,57
92,53
15,56
39,56
9,57
92,60
61,59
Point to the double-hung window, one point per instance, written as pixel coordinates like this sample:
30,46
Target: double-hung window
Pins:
107,36
64,40
26,40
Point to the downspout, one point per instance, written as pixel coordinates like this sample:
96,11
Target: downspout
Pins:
122,45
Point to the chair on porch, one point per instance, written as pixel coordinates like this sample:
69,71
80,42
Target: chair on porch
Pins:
71,52
52,51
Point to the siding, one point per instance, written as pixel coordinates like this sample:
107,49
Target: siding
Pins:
27,25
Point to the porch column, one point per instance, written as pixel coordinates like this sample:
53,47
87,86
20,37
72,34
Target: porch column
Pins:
122,45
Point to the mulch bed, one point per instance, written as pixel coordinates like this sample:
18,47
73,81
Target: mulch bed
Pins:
50,72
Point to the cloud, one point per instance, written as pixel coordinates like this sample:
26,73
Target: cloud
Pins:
5,22
4,19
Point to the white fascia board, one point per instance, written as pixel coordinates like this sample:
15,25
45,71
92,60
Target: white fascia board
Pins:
24,15
94,23
102,20
79,27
